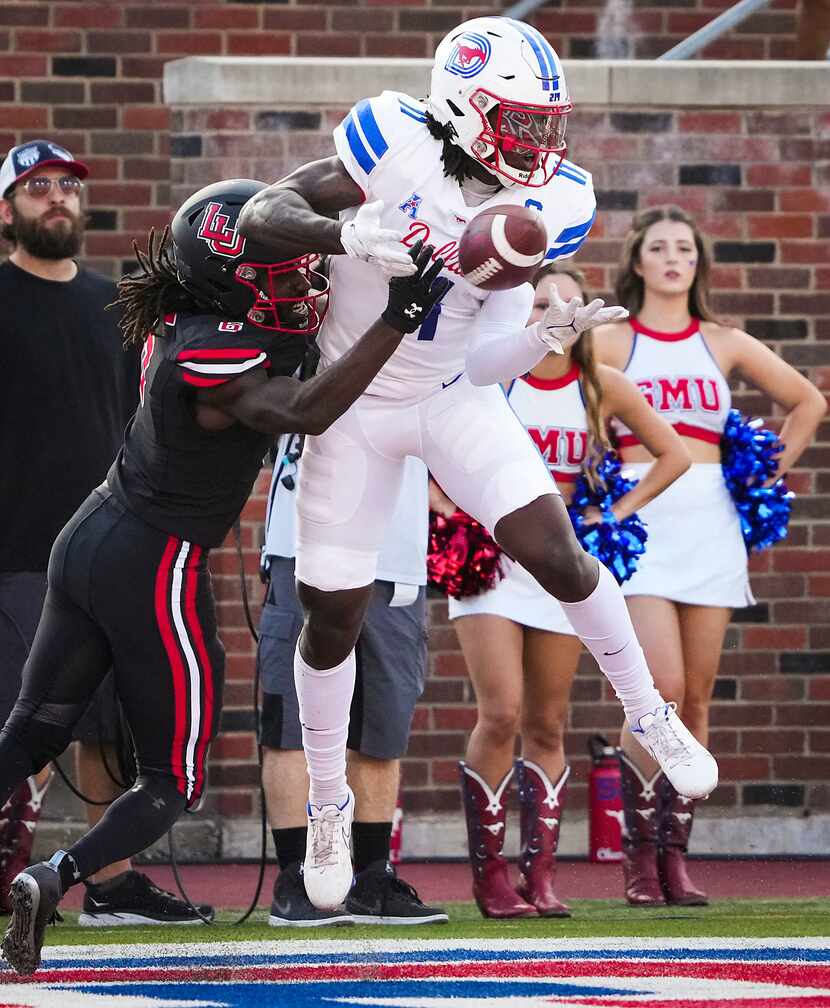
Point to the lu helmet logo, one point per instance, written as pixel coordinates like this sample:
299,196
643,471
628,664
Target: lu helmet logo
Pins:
221,239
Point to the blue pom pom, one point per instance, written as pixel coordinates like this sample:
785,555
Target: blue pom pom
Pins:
749,453
618,545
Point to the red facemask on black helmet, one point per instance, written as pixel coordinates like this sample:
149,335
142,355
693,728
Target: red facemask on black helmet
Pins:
237,277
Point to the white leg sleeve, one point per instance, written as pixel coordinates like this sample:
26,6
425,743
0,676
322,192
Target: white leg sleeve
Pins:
604,626
325,696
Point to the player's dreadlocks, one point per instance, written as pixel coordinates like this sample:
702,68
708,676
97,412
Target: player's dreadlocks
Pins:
454,158
144,297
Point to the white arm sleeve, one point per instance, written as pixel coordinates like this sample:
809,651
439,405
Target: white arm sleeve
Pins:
501,347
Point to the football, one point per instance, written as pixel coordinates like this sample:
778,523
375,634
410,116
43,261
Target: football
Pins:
502,247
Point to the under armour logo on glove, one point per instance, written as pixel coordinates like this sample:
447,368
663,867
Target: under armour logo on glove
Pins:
421,291
564,322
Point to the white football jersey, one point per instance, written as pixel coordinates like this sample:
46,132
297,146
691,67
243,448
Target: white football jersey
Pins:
387,149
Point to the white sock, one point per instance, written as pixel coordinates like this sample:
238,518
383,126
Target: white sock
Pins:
604,626
325,696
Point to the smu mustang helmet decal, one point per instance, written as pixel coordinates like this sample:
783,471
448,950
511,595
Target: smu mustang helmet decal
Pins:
469,56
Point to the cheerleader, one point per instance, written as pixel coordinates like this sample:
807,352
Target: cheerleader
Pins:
520,650
694,572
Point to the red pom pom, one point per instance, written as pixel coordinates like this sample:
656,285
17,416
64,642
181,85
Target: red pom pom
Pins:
463,558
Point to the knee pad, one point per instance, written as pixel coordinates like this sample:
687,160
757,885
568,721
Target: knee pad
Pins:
162,791
334,568
42,740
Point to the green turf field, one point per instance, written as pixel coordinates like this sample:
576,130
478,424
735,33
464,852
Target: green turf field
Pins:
592,919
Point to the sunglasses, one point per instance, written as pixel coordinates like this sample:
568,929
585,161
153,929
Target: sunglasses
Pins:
39,186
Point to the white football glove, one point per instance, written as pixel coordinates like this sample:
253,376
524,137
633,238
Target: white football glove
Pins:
564,322
363,238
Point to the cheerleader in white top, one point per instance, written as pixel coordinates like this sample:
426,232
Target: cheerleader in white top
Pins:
694,571
520,649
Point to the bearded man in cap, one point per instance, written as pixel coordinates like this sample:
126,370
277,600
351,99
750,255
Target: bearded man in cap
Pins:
67,390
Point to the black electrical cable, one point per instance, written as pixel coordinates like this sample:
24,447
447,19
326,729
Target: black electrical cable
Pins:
307,370
74,790
263,854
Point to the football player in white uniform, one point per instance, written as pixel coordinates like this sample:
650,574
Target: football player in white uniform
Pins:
492,131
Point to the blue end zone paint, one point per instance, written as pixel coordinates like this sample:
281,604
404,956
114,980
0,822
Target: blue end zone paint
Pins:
346,992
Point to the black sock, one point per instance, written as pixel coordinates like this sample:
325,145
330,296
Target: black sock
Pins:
371,843
67,869
289,845
134,821
108,884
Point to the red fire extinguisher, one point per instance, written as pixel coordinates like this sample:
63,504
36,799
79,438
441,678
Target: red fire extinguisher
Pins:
605,797
395,840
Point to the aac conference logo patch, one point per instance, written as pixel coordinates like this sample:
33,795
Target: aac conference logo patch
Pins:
432,974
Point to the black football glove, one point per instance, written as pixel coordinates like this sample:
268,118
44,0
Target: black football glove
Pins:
412,298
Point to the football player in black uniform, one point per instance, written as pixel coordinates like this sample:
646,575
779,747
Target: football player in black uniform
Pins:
223,328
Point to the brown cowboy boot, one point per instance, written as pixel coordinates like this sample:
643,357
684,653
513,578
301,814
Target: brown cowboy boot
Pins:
18,819
639,836
486,817
675,815
541,812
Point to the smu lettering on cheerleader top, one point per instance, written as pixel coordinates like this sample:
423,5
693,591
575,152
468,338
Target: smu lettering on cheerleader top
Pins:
386,147
681,380
553,411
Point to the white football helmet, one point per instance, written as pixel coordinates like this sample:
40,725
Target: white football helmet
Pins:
500,86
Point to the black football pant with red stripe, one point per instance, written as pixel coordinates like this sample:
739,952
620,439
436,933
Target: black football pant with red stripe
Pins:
126,596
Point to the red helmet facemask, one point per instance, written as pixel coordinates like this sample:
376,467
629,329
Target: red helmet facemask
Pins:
520,129
285,303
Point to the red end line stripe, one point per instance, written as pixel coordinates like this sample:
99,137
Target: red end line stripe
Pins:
792,974
163,587
218,355
191,619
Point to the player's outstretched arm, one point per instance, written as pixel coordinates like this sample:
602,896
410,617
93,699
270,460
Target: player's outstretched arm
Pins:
500,350
293,216
280,405
298,214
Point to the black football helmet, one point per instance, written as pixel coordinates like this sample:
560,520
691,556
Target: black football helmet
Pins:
237,277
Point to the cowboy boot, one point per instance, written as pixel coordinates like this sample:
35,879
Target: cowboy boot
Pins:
541,811
675,816
486,816
18,819
639,836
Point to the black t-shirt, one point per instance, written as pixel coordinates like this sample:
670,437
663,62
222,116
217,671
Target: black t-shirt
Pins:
67,390
177,476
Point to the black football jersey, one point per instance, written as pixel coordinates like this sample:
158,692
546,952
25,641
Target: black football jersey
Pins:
177,476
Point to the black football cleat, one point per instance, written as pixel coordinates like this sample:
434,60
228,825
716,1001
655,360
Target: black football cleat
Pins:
291,906
35,894
131,899
378,896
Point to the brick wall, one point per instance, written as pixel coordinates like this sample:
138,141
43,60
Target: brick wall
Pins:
89,74
758,183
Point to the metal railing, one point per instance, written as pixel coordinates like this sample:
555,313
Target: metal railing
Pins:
689,46
709,32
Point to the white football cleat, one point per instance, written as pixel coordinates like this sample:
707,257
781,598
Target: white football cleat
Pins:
327,869
689,766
